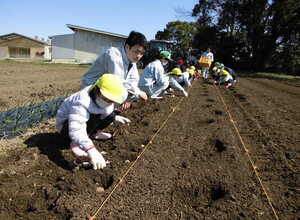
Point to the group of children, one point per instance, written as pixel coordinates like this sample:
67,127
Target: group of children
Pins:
156,81
114,81
223,75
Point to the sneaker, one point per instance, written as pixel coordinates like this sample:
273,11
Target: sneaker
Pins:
100,135
76,151
228,85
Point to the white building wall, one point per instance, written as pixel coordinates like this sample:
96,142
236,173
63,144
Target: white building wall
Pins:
63,47
47,50
89,45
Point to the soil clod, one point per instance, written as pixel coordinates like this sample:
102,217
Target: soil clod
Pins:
218,192
220,147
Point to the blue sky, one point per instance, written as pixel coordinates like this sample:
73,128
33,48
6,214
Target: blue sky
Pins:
47,18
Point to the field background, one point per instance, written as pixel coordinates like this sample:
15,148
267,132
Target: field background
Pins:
23,83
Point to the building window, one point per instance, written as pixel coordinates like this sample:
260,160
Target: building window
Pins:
19,52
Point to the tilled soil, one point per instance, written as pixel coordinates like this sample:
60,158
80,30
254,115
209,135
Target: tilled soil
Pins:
218,154
23,83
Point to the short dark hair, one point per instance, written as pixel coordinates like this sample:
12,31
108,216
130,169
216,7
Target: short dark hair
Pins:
136,38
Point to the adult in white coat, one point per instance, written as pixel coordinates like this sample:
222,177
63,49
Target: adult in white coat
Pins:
122,62
83,115
154,80
209,55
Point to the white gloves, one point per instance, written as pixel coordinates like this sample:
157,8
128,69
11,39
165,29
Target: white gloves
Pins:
121,119
96,159
185,93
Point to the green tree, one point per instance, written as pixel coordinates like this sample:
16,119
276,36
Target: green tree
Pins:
182,33
263,30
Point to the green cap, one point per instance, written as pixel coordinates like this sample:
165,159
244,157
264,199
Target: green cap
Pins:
165,54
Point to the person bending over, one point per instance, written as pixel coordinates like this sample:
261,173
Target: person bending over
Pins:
82,117
153,79
122,62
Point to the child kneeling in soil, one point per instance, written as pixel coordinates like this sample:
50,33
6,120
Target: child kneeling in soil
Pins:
173,84
225,78
83,116
183,80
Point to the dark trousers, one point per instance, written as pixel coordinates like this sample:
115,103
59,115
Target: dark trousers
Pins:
182,83
93,124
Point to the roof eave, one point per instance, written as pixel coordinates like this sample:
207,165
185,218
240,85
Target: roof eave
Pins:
74,27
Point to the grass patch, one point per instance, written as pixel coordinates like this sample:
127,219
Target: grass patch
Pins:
270,76
278,75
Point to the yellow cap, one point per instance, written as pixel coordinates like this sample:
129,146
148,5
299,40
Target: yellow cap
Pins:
176,71
191,72
192,68
223,73
110,86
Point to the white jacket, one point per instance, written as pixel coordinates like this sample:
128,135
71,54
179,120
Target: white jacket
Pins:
153,73
209,55
77,109
185,78
114,60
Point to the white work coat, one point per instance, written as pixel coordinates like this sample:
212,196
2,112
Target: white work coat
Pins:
185,78
209,55
154,73
77,109
114,60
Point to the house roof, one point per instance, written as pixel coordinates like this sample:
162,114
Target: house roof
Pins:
14,36
74,28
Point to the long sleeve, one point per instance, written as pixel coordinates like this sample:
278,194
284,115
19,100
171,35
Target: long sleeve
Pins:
212,57
175,85
153,74
77,126
132,80
160,77
92,75
77,109
109,62
113,60
117,63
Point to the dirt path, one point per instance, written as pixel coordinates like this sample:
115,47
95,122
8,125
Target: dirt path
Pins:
195,168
